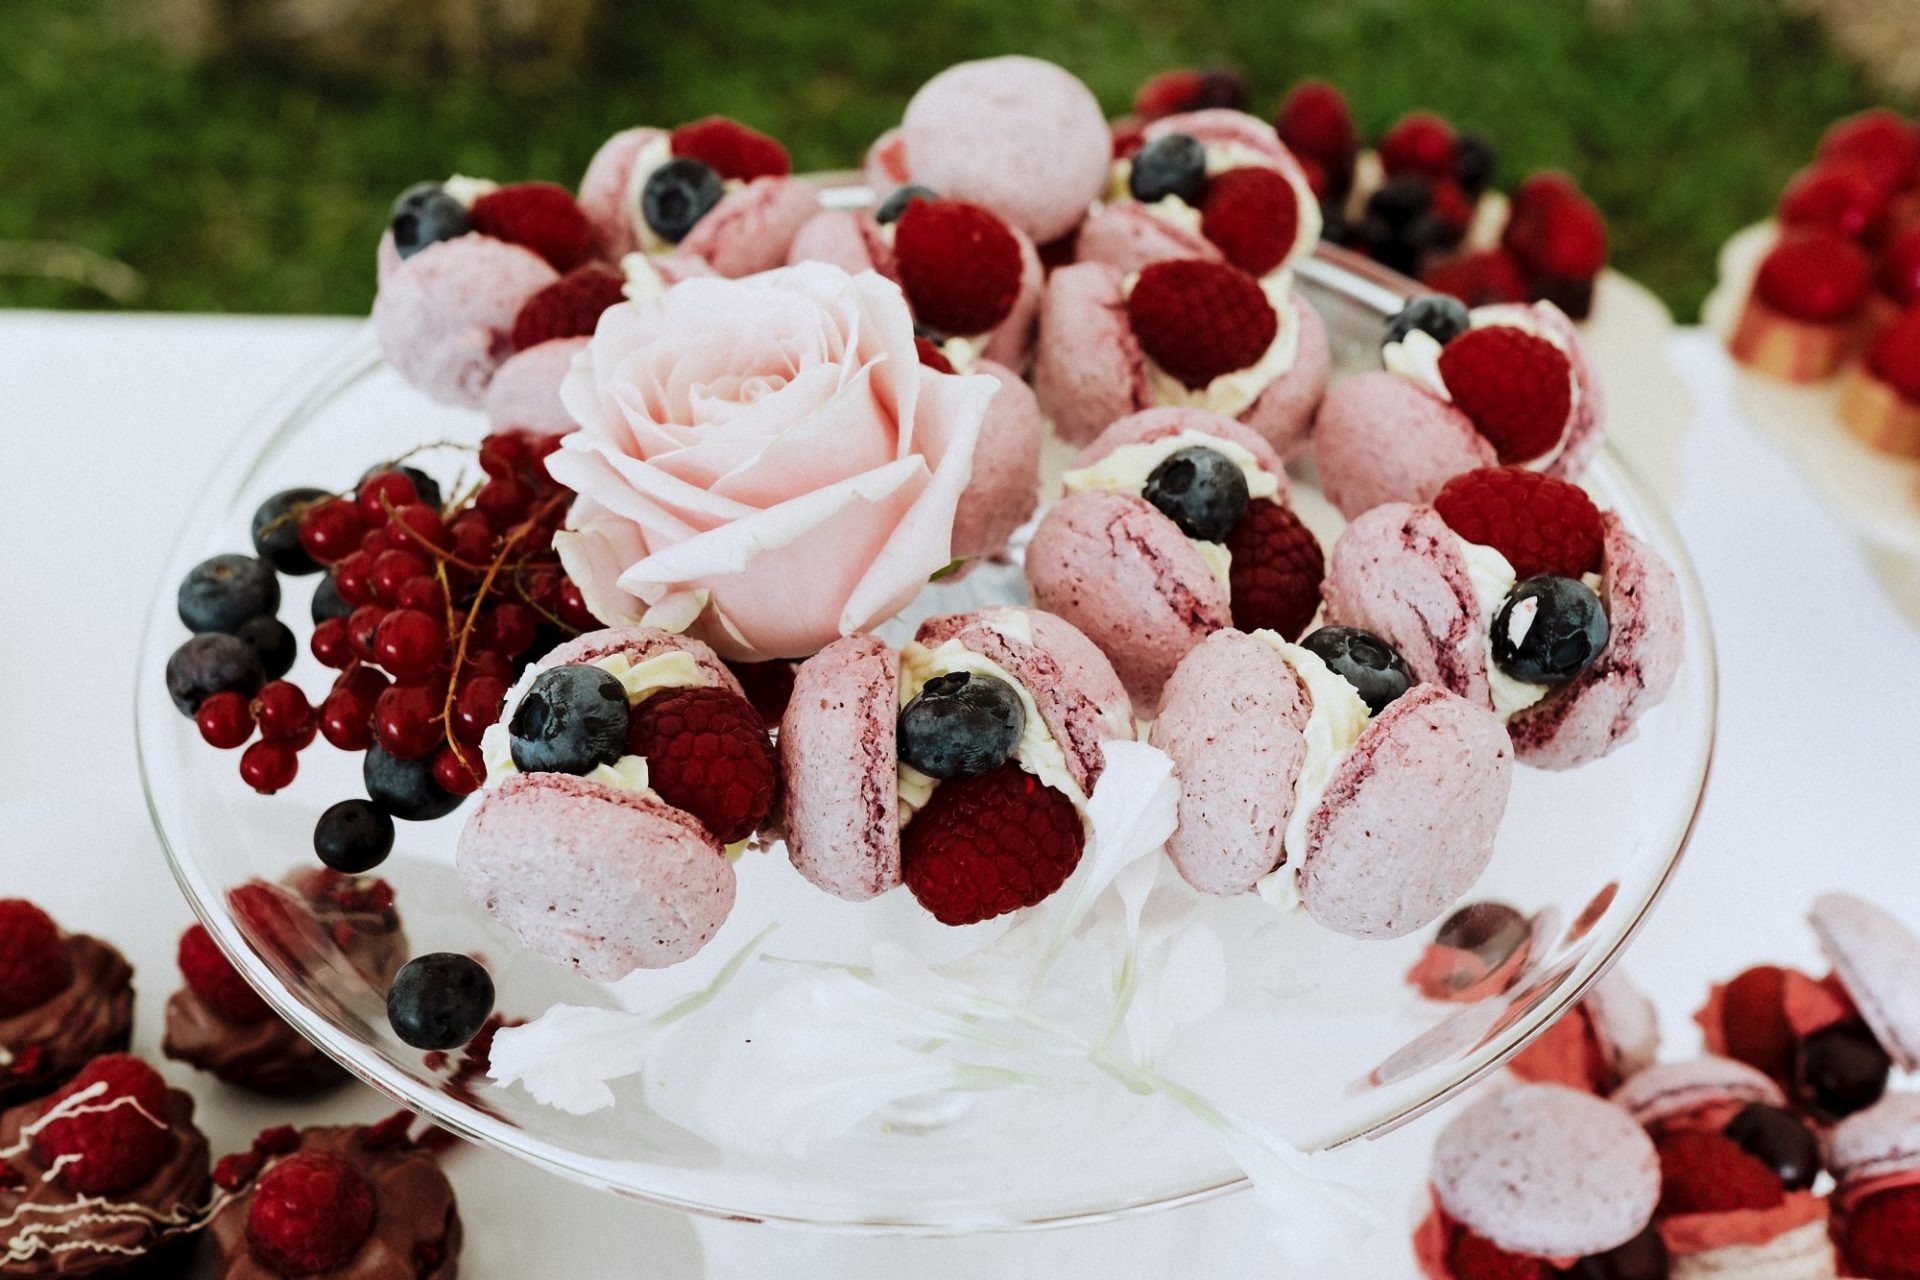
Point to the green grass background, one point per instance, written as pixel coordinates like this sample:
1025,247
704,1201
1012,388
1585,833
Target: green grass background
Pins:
238,186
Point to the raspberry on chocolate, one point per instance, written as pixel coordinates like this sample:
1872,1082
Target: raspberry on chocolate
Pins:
1253,214
1705,1172
987,845
310,1212
570,307
115,1135
1540,523
1275,570
731,149
1516,386
708,753
1198,319
541,216
212,977
959,265
34,966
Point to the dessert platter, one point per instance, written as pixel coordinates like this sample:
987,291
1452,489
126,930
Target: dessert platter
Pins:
870,713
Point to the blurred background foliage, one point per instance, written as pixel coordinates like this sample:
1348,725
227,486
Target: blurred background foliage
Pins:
239,155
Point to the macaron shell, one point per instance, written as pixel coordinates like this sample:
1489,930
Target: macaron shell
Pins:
843,238
603,190
1880,1141
1005,486
1590,415
840,764
602,880
1128,236
1408,819
885,165
1283,414
1379,438
1397,571
525,391
1019,135
1223,126
1547,1171
1124,574
752,227
1668,1090
1626,1022
1232,720
1595,711
445,317
1011,342
1164,421
1088,369
1878,959
638,644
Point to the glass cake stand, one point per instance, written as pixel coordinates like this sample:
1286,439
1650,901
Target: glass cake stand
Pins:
1333,1042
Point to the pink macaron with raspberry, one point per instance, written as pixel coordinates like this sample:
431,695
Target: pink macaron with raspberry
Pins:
1875,1160
624,764
1609,1037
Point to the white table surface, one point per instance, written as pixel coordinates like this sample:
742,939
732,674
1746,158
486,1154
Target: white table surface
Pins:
107,425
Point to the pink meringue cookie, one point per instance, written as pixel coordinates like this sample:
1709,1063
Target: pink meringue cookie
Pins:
1005,486
525,392
445,315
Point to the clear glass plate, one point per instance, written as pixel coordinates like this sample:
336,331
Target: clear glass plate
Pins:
1335,1043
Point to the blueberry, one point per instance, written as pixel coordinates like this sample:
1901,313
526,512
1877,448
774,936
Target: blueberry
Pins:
221,593
276,530
1399,201
1201,490
273,641
1840,1071
1435,314
440,1001
896,204
1642,1258
1173,165
209,664
961,725
424,485
405,788
1549,630
353,836
327,602
1474,162
1364,661
573,719
677,195
425,214
1778,1140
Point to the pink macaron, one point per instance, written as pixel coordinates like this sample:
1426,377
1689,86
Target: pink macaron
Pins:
1092,364
851,808
1514,386
1877,959
595,869
1538,1173
445,315
1004,488
1383,835
1019,135
1401,572
1132,577
1875,1160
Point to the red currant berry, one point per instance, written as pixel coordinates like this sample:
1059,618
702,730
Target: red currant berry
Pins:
353,578
540,445
541,587
269,766
425,523
283,711
362,624
507,628
346,720
226,720
379,541
331,530
478,707
330,645
573,608
455,774
471,538
393,570
388,489
366,683
423,593
408,643
484,664
504,453
406,720
503,500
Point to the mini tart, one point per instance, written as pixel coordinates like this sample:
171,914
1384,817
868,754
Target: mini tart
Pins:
142,1233
1774,336
1873,405
267,1057
43,1047
416,1226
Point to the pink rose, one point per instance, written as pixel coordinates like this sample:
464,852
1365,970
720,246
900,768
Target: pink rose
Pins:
763,463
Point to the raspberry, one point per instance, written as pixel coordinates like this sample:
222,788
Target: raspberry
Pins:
34,966
1704,1172
1480,279
1198,319
1421,143
1899,274
570,307
1879,143
1895,354
1314,121
731,149
1816,276
1253,214
1274,577
1833,198
931,356
1754,1021
1452,208
991,844
1516,386
117,1137
1188,89
1539,523
1473,1257
212,977
1563,237
959,265
707,753
309,1213
541,216
1882,1236
1545,188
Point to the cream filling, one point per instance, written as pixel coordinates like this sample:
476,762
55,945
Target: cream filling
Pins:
1335,720
1222,156
1490,217
467,190
1493,579
1416,358
1125,470
644,281
1038,753
651,157
675,670
1231,394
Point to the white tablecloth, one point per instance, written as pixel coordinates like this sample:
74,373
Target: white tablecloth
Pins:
107,425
